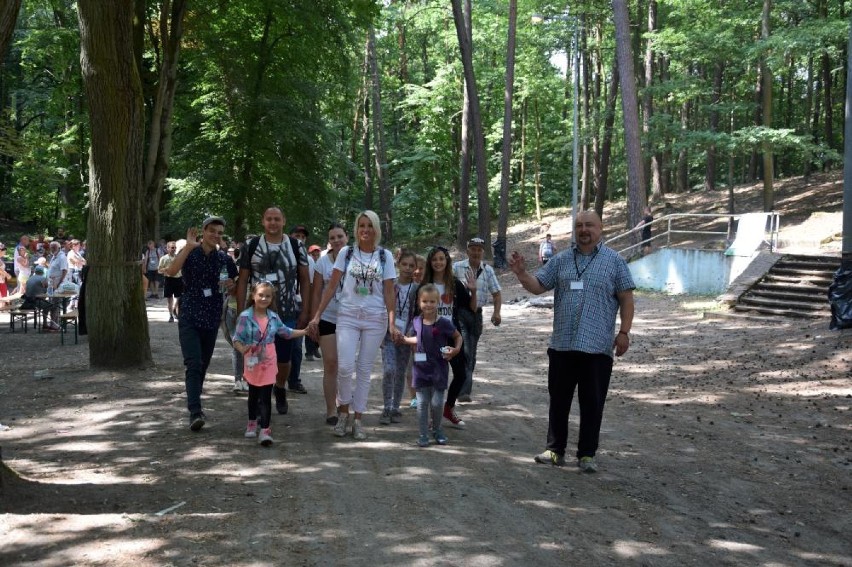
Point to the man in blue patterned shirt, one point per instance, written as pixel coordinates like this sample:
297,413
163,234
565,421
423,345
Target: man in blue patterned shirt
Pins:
207,274
591,284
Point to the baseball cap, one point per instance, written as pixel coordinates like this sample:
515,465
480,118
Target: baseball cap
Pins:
301,228
314,247
476,241
209,220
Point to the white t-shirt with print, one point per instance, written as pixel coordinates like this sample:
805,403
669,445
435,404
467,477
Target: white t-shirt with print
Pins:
325,266
363,280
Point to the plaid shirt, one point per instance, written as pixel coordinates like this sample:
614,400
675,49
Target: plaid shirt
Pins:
486,280
200,273
584,320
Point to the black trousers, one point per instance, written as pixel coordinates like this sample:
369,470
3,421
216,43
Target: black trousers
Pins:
589,374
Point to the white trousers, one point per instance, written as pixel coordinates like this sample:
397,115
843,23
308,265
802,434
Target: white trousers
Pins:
359,336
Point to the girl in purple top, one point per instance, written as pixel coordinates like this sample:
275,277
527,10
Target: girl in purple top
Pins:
430,367
254,337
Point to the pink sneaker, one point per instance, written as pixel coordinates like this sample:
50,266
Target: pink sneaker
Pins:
251,429
266,437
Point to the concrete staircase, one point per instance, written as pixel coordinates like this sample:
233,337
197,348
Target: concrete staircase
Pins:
796,286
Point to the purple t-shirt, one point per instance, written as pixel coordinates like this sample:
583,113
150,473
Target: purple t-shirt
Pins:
430,338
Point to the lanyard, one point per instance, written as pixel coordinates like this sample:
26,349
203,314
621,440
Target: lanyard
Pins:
577,268
401,304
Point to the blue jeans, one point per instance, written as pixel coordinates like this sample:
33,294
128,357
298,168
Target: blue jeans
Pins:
430,403
197,346
394,363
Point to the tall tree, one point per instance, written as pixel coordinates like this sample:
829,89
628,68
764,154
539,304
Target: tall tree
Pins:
630,109
464,175
378,137
766,88
166,40
116,318
476,123
506,162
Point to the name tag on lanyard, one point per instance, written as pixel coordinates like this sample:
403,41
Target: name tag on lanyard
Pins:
576,285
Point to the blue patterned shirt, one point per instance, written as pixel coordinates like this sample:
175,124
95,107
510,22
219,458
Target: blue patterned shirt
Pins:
201,302
584,319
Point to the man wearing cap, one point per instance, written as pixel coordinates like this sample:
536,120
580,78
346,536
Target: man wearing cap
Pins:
592,284
208,274
471,322
282,261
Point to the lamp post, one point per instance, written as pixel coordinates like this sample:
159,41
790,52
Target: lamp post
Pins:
575,78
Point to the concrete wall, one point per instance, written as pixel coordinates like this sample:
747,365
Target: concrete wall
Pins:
679,271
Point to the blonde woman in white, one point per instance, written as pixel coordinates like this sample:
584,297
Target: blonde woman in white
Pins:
363,282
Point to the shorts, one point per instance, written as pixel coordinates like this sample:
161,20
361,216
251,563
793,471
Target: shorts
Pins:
151,275
284,347
326,328
173,287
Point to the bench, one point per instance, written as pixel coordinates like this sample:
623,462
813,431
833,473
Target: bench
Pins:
66,320
22,317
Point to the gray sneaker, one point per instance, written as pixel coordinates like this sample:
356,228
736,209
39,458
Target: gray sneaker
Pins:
587,464
386,417
358,430
548,457
342,425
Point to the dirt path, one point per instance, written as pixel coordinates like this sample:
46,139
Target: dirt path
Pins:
725,442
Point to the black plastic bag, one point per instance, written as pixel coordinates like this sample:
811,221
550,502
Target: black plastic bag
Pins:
840,297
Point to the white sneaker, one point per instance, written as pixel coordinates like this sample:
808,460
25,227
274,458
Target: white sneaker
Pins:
342,425
358,431
265,437
251,429
240,386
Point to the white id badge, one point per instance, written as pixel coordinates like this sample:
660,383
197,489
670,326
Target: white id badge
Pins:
577,285
419,357
252,361
207,292
272,277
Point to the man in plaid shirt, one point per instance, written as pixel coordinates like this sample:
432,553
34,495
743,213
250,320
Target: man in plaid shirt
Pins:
591,284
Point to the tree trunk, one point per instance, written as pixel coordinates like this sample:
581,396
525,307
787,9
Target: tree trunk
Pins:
537,161
506,162
464,163
710,171
8,18
378,139
652,162
522,163
587,118
476,122
766,74
606,144
682,182
160,125
636,196
809,103
116,317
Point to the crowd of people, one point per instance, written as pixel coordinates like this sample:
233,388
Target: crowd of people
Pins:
423,314
43,267
350,302
347,302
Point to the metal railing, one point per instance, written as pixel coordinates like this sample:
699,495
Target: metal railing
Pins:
693,225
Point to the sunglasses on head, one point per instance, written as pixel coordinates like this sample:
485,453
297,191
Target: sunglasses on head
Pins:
441,248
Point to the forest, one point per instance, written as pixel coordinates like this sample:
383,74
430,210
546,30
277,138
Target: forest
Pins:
139,117
331,106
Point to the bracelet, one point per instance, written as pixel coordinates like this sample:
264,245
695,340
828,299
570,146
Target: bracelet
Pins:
625,333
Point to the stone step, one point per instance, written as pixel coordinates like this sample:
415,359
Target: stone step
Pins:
762,310
816,295
783,304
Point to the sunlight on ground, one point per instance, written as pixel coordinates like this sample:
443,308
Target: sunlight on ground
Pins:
633,549
734,546
702,305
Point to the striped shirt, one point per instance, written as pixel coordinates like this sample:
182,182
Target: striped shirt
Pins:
584,319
